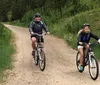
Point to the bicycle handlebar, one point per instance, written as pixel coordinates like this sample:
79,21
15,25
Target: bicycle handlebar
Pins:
40,35
93,44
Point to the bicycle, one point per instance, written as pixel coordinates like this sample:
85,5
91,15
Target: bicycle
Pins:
40,57
89,60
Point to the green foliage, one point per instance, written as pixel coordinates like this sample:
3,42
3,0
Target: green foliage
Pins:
69,27
97,51
4,9
6,50
17,23
1,30
75,23
27,18
18,9
49,18
90,3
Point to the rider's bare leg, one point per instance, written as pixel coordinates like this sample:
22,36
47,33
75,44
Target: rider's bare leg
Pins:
33,43
87,48
81,55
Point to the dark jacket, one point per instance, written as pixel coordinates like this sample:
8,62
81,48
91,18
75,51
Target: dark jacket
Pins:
37,27
85,37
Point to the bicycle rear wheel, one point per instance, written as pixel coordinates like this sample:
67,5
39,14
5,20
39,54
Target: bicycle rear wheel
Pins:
93,68
42,60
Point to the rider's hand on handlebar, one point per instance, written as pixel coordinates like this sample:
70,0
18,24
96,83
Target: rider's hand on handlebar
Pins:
80,43
48,33
32,33
99,41
84,44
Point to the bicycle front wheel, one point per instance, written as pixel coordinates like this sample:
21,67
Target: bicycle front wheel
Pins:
36,58
42,60
93,68
78,60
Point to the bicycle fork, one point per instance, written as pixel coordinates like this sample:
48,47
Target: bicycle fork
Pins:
90,59
90,54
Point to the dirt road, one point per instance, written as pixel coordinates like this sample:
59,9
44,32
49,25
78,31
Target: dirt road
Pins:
60,67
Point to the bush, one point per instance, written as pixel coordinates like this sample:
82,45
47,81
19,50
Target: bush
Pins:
27,18
49,18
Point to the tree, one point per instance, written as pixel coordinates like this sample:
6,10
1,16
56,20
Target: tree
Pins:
4,8
18,9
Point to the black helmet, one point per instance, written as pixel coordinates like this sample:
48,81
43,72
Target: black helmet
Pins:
37,15
86,24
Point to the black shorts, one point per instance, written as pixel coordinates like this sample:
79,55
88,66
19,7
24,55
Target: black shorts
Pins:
42,39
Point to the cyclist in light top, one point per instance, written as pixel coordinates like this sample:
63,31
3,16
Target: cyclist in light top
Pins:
37,26
83,41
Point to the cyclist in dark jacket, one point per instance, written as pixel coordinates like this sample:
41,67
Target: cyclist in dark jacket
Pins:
83,41
85,37
37,26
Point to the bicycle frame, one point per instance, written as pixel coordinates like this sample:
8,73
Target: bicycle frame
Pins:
89,60
38,40
39,46
39,58
89,53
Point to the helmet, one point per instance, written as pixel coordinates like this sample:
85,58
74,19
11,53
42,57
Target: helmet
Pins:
86,24
37,15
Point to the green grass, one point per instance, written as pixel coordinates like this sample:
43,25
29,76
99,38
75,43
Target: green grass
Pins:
67,28
17,23
97,51
6,51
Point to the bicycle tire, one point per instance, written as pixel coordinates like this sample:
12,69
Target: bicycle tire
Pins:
36,58
77,61
42,61
97,70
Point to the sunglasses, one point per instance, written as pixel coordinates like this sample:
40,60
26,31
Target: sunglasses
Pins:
37,16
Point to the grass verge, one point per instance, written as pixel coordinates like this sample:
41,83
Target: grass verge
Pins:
6,51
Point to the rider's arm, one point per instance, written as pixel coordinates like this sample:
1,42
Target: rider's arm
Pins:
30,28
45,27
94,36
80,39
